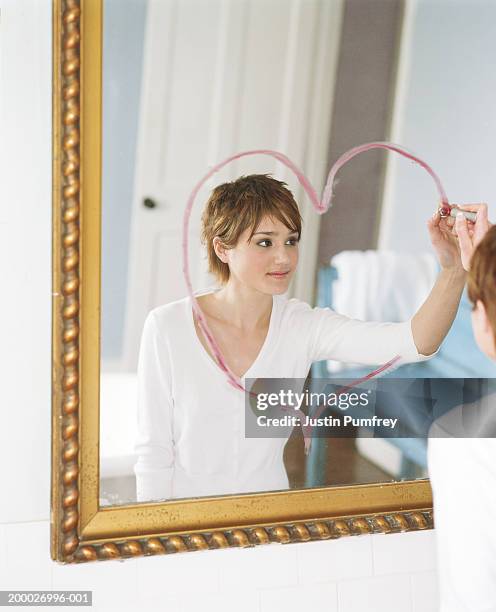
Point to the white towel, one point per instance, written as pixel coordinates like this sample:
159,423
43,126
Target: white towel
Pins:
381,285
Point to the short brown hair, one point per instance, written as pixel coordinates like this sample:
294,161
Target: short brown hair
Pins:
242,204
482,276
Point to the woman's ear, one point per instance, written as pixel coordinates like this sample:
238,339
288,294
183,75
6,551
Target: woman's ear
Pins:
486,333
483,318
220,249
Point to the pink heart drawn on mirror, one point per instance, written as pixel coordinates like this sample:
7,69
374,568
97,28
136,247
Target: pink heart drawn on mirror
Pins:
320,206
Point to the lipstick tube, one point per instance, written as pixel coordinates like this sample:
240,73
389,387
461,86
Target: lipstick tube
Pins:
451,211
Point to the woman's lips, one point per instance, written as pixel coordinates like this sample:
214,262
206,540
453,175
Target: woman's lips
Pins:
278,274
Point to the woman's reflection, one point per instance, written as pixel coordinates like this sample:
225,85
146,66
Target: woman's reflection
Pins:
191,439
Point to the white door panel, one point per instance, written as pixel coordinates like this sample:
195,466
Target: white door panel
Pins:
219,77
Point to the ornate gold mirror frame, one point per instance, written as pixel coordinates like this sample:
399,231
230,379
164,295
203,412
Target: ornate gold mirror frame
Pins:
80,529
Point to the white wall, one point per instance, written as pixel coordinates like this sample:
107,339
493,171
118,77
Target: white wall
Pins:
121,80
445,115
393,573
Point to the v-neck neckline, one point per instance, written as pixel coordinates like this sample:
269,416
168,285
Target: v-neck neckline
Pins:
204,352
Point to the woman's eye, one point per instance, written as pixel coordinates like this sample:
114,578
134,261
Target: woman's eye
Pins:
266,242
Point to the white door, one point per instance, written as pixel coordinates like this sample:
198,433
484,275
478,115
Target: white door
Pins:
220,77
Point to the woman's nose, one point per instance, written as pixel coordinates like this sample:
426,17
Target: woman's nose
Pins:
281,255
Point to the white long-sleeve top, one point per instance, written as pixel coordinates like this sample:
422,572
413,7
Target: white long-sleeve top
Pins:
190,437
462,471
463,479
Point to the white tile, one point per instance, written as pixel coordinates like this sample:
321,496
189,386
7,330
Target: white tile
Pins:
379,594
164,603
413,551
113,583
247,600
3,557
25,114
314,597
25,265
270,565
27,553
425,592
25,372
173,575
332,560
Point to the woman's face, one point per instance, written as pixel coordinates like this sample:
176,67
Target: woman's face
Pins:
267,261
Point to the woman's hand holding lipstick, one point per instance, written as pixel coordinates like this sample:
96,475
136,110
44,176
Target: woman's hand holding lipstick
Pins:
445,243
470,234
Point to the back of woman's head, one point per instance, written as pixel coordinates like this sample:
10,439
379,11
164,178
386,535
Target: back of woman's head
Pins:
482,276
240,205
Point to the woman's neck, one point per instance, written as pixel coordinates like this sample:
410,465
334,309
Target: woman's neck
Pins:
242,307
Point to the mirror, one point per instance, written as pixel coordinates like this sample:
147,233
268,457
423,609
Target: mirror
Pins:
147,100
187,84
